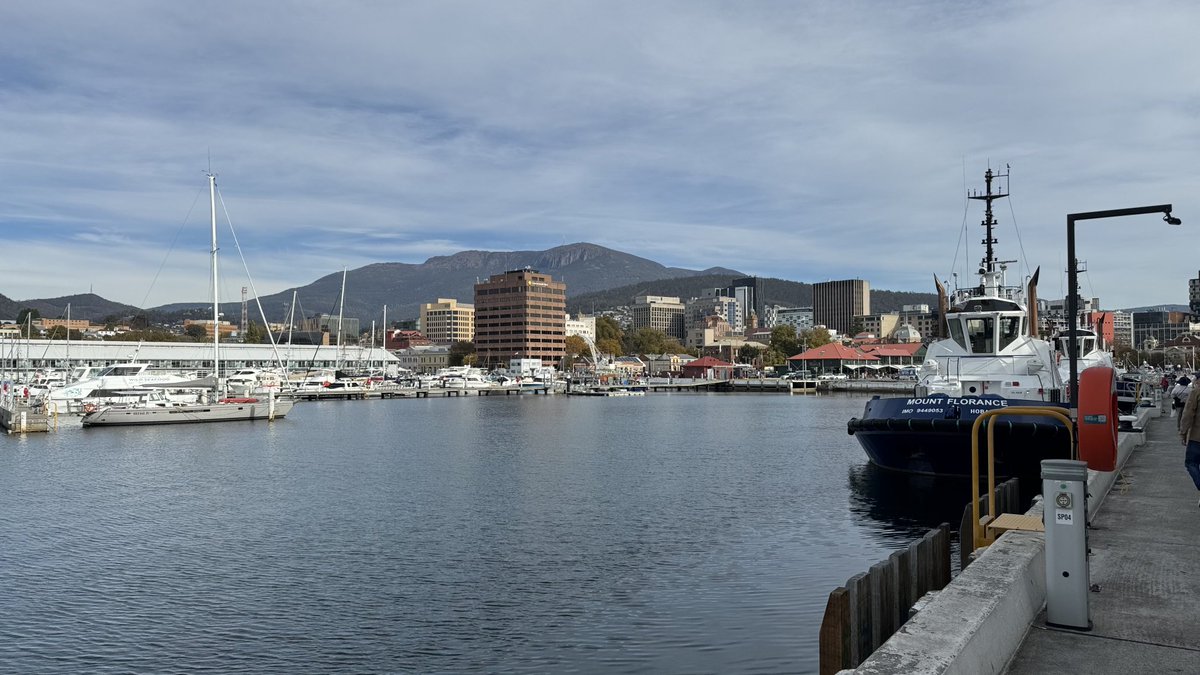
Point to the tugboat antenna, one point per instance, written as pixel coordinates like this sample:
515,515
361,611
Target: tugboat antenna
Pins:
988,264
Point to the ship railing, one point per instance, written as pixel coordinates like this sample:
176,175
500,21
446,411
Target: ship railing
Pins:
982,535
1014,293
986,364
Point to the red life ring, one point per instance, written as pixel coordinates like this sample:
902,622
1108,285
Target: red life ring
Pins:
89,408
325,383
1097,423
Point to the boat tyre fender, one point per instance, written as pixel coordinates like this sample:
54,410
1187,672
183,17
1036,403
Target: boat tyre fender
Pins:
1098,419
89,408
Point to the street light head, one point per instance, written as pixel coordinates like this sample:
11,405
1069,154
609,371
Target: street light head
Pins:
1171,220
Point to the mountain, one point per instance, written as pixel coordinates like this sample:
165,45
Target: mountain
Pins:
403,286
83,306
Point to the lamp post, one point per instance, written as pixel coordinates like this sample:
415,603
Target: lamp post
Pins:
1072,282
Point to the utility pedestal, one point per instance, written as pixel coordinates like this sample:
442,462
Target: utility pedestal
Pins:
1064,510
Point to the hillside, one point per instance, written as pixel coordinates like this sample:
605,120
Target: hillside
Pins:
403,287
83,306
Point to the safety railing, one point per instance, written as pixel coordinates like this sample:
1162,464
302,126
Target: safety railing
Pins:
980,537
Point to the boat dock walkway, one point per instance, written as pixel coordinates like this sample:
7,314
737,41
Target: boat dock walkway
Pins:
1144,570
20,416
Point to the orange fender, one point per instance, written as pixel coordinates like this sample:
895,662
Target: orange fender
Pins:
1098,420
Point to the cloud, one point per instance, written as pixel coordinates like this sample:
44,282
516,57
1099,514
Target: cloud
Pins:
805,141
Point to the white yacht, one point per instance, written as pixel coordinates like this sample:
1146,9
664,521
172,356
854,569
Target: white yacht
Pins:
114,380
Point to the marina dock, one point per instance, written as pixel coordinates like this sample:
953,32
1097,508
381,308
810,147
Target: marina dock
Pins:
20,416
385,392
1145,593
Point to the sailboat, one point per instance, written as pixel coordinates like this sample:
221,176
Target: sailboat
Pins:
159,410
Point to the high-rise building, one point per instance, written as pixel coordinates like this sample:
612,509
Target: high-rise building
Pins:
836,303
712,303
1156,327
1122,328
1194,297
520,315
446,321
749,294
799,318
658,312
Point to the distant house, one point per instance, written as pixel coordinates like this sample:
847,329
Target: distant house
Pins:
403,339
708,368
832,358
893,357
663,365
629,365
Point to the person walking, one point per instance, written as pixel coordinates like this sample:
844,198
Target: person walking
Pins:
1189,432
1179,396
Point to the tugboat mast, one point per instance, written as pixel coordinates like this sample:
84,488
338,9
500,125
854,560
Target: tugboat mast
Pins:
988,264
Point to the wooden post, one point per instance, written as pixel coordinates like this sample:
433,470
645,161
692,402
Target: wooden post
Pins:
835,633
859,586
882,615
903,587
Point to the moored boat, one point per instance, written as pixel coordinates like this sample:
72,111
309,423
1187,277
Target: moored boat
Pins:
989,357
159,410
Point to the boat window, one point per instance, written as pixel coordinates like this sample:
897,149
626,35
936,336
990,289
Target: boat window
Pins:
957,334
980,334
1010,328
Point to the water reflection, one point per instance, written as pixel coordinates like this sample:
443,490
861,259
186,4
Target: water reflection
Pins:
902,503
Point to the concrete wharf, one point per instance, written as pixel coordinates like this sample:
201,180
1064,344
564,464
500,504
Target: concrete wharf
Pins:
1145,572
1143,567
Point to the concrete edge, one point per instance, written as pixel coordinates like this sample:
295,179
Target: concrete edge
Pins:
978,622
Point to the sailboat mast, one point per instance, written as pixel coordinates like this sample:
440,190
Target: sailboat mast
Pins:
341,314
212,202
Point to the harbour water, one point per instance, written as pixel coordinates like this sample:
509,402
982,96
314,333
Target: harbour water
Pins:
671,533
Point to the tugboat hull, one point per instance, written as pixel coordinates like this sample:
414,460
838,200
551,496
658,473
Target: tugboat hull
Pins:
932,435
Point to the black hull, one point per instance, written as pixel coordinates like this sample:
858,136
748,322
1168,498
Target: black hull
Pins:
933,436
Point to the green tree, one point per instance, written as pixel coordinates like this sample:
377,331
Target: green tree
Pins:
139,322
783,340
607,328
609,346
459,351
650,341
748,353
815,337
196,332
61,333
26,313
774,357
254,334
577,346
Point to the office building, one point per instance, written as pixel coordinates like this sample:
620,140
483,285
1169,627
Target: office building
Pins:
836,303
659,312
446,321
520,314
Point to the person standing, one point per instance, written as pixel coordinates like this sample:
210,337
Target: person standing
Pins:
1189,432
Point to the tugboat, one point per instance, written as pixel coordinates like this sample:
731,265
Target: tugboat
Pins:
989,357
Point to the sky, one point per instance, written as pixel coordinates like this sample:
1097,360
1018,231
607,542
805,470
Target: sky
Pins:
808,141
